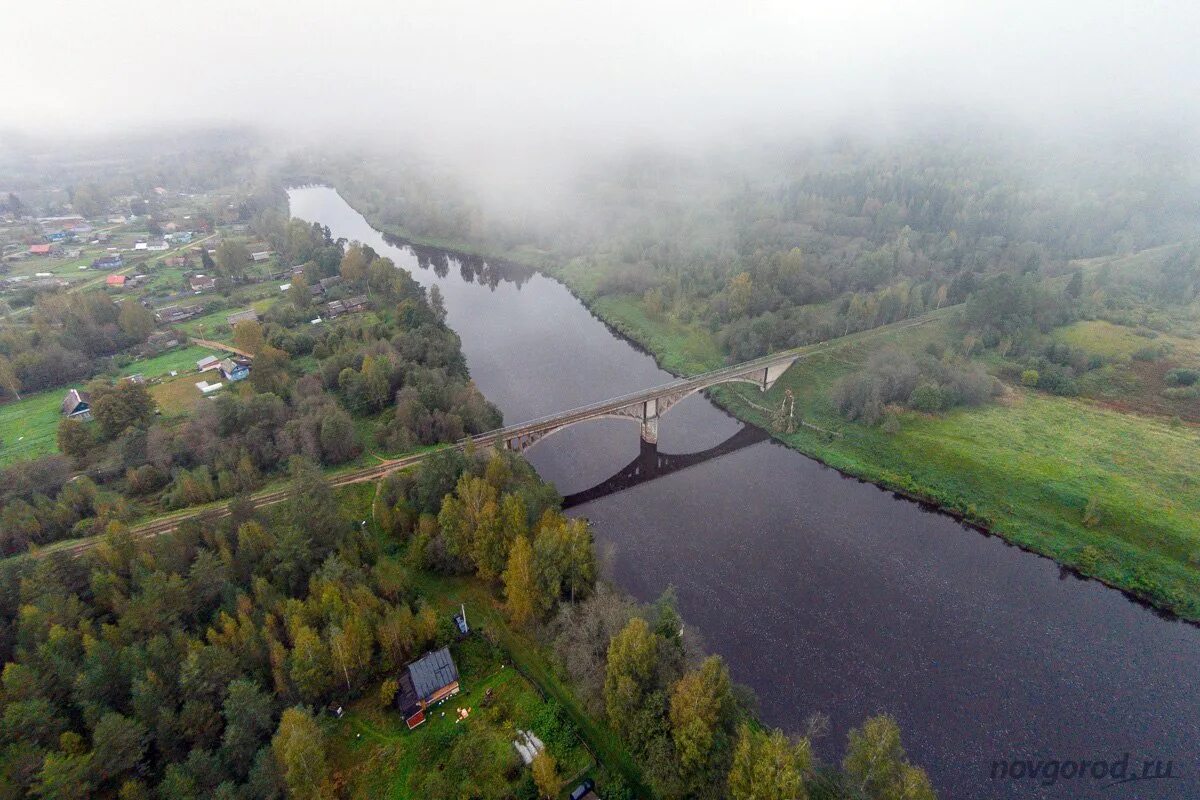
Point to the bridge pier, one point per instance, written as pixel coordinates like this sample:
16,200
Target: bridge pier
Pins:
650,421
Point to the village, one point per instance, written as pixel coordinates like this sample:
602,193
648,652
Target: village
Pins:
164,254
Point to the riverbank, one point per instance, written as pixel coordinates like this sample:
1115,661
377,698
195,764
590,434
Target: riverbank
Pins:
1026,470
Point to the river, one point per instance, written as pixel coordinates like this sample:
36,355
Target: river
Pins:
823,593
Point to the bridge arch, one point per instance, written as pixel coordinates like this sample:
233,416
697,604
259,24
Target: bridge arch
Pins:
647,412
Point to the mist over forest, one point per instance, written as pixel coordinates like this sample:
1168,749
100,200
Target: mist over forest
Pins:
290,290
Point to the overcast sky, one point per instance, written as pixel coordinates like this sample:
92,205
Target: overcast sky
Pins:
612,72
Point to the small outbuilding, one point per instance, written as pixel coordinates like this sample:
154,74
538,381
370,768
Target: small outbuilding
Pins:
425,682
207,363
115,281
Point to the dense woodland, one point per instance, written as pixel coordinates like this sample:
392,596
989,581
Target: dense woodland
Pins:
200,664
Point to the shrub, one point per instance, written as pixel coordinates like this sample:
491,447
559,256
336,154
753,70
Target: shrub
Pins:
1151,353
1182,377
927,397
1030,377
924,383
1182,393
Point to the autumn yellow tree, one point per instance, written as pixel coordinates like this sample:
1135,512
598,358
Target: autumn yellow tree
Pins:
701,702
766,766
629,674
520,583
877,766
299,749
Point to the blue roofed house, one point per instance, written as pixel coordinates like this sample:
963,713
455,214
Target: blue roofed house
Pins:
425,682
235,369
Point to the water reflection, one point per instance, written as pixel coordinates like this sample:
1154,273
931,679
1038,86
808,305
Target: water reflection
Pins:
471,268
651,465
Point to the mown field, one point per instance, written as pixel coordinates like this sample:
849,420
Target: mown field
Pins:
179,359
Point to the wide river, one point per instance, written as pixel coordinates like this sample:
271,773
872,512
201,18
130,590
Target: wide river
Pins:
825,594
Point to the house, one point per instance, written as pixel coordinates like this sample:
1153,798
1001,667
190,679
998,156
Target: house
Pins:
327,283
158,247
261,255
249,315
115,281
172,314
76,405
351,305
39,249
111,261
202,283
58,236
426,682
235,369
208,362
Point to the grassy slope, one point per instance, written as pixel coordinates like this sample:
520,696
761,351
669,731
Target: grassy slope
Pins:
29,427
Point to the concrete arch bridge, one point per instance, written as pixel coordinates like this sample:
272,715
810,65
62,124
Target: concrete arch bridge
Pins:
645,407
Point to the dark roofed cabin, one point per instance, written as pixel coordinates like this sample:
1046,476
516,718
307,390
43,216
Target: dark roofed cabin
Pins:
76,406
426,682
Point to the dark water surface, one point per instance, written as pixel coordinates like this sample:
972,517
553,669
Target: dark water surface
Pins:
824,593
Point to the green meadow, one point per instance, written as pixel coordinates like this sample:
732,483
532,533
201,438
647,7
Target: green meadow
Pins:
29,426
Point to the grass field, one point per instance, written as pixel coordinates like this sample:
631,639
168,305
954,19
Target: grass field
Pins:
176,396
178,359
29,427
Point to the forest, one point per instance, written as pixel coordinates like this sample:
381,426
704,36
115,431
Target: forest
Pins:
208,663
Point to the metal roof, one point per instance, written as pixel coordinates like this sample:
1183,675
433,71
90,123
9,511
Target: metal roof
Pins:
432,672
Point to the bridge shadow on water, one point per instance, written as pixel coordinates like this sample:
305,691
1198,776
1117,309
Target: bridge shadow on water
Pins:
651,465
